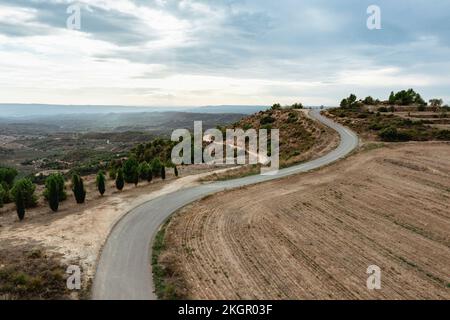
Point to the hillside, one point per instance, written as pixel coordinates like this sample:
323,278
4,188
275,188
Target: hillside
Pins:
312,236
301,138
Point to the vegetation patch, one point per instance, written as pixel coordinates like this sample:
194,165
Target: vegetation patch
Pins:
168,284
31,274
381,120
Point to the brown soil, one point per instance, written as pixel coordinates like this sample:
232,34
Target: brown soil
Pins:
313,236
78,232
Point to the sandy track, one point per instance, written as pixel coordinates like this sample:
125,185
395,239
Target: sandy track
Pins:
312,236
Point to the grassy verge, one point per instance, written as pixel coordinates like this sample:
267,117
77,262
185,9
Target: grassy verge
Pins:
168,285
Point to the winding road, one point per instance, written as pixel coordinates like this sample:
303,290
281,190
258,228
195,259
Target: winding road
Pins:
124,270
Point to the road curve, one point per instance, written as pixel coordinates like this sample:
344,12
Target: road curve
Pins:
124,270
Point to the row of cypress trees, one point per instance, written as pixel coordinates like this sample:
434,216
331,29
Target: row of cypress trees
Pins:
55,191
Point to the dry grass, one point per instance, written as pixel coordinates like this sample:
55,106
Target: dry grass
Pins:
312,236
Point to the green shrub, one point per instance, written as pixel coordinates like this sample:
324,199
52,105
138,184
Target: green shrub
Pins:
130,170
8,175
20,203
382,109
60,183
163,172
392,134
156,167
53,194
266,120
144,171
100,182
120,182
276,106
78,189
26,188
443,135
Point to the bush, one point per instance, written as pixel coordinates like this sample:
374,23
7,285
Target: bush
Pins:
144,171
2,195
8,175
392,134
100,181
60,183
406,97
53,189
20,204
276,106
369,100
297,106
266,120
443,135
120,182
382,109
156,167
26,188
78,189
130,170
349,103
163,172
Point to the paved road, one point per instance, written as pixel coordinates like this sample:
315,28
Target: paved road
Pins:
124,270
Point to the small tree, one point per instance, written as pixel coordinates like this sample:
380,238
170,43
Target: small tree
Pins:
53,194
156,167
27,189
144,171
136,178
60,183
130,170
6,196
100,181
175,171
78,189
120,182
163,172
8,175
20,204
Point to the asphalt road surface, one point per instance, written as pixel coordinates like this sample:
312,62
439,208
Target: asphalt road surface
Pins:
124,269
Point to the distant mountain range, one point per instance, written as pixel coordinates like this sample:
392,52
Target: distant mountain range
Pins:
43,110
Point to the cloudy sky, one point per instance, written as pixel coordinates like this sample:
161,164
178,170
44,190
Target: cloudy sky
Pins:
194,52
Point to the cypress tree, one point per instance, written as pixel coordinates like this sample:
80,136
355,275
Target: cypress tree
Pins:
150,175
119,180
78,189
163,172
20,205
53,195
175,171
136,178
101,182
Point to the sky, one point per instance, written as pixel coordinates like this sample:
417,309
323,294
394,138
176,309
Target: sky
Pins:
194,52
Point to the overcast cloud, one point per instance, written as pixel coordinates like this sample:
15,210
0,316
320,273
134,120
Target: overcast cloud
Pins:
193,52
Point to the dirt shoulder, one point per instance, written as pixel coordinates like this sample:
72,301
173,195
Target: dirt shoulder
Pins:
76,233
313,236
